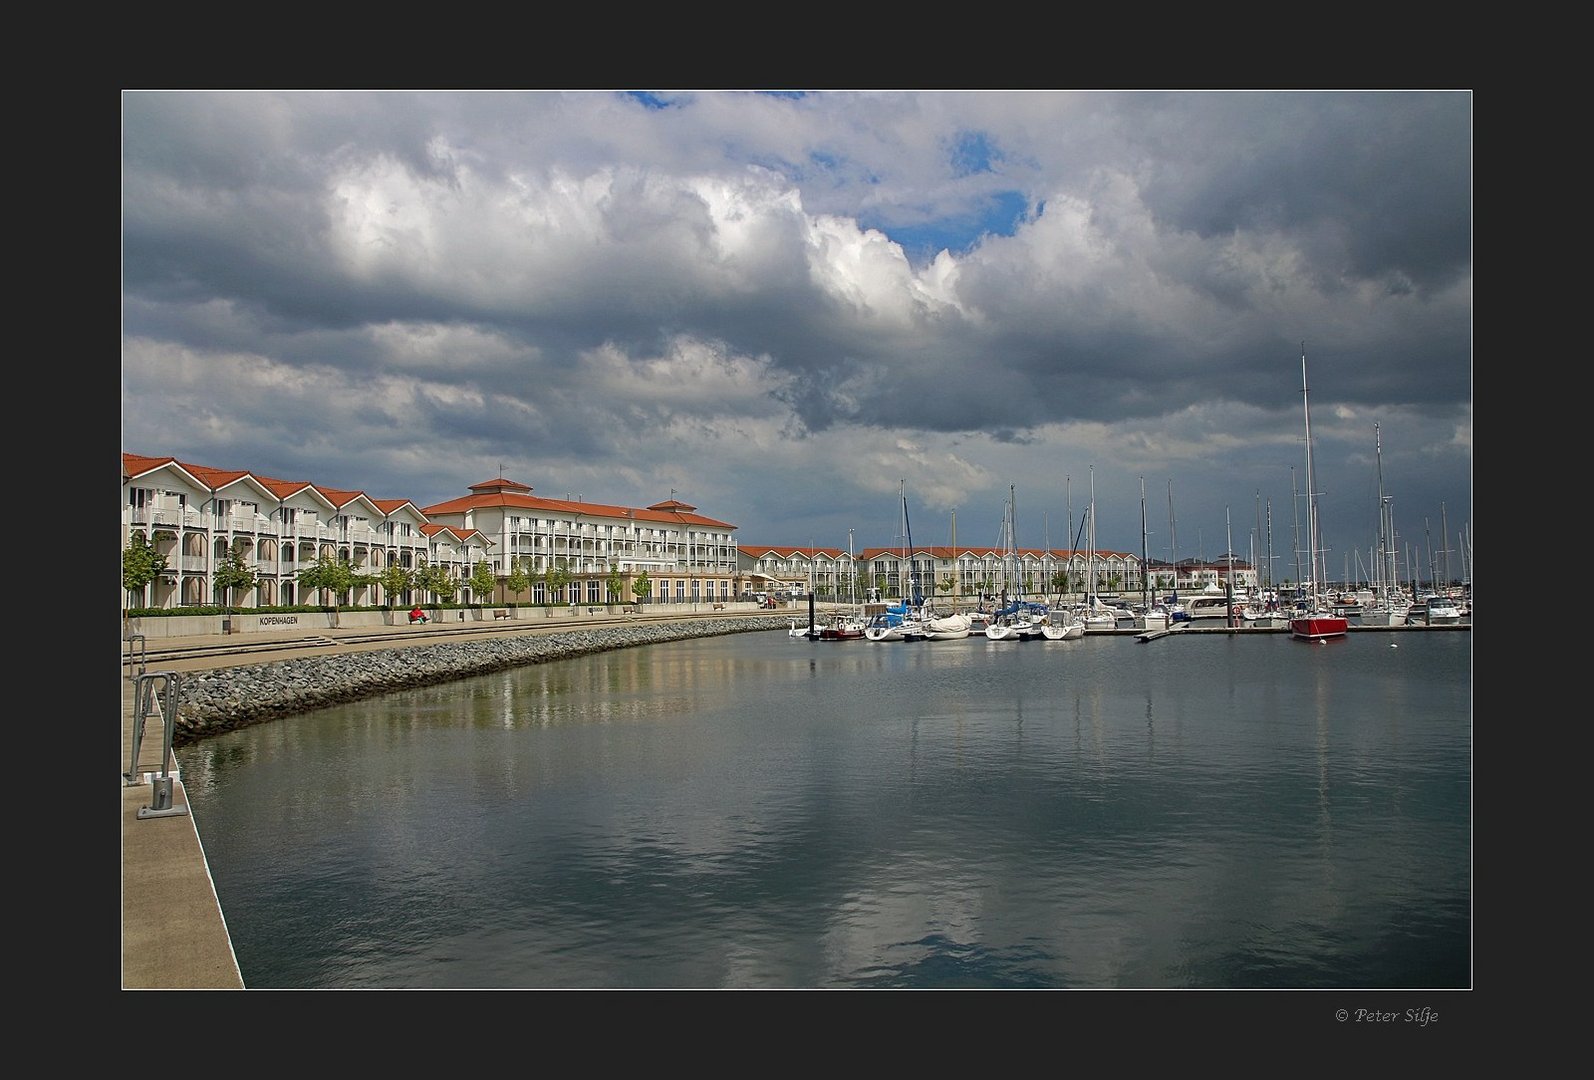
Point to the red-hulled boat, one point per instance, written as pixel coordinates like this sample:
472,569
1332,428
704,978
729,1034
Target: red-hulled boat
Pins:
1316,621
1317,625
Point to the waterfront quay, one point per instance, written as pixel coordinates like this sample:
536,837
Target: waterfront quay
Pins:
174,933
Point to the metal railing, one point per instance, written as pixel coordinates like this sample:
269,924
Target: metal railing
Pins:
155,695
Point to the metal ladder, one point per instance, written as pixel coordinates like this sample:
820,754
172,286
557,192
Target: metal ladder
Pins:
148,702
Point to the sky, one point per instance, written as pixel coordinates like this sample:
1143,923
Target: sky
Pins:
789,309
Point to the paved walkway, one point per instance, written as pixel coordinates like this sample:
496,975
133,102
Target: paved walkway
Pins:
173,934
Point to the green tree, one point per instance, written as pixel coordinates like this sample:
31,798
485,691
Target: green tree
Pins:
615,582
141,564
519,579
437,580
395,579
1060,582
642,587
945,584
335,576
231,574
482,581
555,578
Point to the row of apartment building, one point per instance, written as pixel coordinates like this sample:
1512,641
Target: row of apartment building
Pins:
197,516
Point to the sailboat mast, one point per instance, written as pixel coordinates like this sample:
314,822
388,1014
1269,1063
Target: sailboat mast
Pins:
1256,543
1311,485
1018,576
1090,539
1270,584
1145,583
1295,525
1444,538
1173,543
957,566
1386,541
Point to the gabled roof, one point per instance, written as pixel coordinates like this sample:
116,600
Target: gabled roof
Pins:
137,465
783,552
510,495
463,536
215,480
389,507
287,489
219,480
947,553
343,499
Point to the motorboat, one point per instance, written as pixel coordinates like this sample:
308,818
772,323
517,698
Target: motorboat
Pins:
1155,617
1062,627
1434,610
1209,606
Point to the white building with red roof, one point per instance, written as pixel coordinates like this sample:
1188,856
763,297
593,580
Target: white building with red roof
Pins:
571,551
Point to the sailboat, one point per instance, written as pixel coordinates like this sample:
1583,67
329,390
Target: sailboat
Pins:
1316,621
1153,616
846,625
952,626
1097,615
1017,619
811,631
1389,606
900,621
1176,610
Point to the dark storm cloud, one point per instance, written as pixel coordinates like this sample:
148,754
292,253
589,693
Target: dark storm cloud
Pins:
703,292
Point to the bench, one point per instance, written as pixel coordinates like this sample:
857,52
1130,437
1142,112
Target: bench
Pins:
500,613
719,607
628,610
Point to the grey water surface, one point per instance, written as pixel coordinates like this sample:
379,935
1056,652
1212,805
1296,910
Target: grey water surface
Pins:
757,811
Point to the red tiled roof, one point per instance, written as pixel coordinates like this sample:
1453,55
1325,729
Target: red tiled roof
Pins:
659,512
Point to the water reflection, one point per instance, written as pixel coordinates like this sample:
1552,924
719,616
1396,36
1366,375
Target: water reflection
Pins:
760,811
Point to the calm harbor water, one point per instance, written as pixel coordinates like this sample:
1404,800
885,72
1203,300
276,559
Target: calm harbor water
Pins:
753,811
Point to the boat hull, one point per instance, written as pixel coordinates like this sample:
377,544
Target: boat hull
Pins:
1068,632
1318,627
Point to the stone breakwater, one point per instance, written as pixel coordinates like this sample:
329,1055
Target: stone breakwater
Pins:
226,699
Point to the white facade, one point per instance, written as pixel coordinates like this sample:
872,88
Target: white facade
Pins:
195,516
